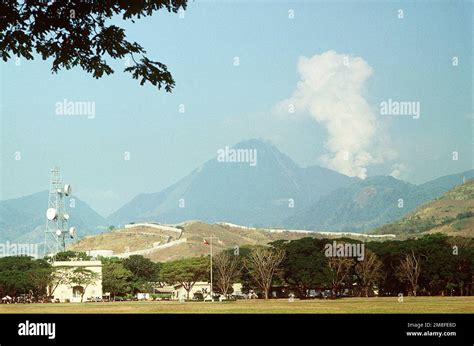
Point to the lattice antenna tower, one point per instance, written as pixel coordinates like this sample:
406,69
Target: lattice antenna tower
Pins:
56,230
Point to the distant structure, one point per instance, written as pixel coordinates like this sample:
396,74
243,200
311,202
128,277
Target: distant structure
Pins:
75,294
56,230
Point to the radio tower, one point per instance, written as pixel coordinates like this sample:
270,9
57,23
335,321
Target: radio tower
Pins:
57,218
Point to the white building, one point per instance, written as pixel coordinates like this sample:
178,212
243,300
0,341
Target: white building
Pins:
68,292
200,287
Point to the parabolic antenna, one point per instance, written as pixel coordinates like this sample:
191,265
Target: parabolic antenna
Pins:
67,189
51,214
58,232
72,232
66,217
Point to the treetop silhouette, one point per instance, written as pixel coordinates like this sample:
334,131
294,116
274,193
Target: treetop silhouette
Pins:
76,33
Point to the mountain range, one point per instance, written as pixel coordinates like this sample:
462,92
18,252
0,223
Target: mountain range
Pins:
452,213
23,219
276,192
256,186
370,203
261,195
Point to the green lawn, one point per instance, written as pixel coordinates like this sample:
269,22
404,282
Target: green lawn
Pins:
345,305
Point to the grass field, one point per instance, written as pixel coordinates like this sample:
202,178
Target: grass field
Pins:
385,305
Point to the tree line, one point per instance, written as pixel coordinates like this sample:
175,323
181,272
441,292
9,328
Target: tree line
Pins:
430,265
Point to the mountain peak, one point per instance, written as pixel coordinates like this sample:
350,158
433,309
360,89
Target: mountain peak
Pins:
250,183
254,143
261,146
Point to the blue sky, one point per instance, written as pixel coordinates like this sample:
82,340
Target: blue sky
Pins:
410,60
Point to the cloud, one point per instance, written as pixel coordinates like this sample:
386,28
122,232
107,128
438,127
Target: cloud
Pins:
331,89
399,171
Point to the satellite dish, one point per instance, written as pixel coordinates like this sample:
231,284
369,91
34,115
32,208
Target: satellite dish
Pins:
51,214
58,232
67,189
72,232
66,217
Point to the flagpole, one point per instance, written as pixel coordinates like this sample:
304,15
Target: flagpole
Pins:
212,297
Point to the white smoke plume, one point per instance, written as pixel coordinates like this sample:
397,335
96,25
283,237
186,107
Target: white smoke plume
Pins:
331,89
399,171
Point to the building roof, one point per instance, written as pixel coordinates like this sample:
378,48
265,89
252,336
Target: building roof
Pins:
77,264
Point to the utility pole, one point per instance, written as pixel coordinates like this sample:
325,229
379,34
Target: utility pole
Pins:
212,296
211,243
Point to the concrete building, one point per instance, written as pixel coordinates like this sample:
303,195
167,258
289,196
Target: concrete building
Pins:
200,288
69,292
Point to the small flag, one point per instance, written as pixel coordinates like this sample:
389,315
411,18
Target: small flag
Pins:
205,242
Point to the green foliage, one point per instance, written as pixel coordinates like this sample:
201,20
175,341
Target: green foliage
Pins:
82,277
305,266
465,215
440,265
116,278
141,267
447,268
68,255
186,271
76,33
447,265
417,225
158,296
143,272
461,224
130,275
20,275
461,192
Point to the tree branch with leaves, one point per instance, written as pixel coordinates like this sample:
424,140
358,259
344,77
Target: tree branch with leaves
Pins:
77,33
185,272
84,278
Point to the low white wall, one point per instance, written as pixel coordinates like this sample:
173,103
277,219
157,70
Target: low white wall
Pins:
152,249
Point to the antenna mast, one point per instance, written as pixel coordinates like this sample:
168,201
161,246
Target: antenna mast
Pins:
57,218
